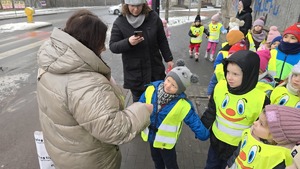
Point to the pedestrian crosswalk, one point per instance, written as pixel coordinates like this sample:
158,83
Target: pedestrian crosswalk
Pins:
17,44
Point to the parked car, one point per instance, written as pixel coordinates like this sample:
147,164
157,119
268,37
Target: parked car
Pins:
116,9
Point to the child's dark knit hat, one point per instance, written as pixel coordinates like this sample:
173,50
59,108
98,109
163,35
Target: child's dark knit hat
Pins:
183,76
278,38
198,18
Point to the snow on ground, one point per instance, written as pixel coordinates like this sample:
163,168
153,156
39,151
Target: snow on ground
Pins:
22,26
9,84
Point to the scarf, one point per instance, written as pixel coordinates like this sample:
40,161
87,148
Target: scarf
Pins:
290,88
289,48
164,97
258,37
135,21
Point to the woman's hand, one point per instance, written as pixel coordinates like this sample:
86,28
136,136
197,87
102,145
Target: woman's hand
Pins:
134,40
170,64
149,107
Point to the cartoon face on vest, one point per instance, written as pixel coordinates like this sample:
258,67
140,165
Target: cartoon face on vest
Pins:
286,100
233,111
214,27
247,155
197,32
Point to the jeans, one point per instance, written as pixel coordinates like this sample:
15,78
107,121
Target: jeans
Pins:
164,158
213,161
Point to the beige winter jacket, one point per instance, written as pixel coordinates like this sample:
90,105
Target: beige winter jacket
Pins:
81,111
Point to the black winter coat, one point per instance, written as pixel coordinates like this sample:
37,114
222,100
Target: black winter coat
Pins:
142,63
246,16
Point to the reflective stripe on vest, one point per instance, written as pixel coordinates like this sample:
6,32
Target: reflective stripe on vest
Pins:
214,31
281,96
234,113
199,31
170,128
258,155
148,95
235,131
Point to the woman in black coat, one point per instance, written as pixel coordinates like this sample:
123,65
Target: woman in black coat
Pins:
244,14
141,54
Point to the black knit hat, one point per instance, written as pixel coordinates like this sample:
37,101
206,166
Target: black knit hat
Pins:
246,3
198,18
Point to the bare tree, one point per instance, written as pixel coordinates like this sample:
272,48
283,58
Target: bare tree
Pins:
199,7
167,10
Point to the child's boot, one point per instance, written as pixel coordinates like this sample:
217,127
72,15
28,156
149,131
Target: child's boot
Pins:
211,57
191,53
196,57
205,56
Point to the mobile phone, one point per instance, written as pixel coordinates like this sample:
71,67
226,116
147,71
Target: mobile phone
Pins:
138,33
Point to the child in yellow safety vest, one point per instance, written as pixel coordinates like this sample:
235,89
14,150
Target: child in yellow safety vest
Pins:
288,92
215,29
269,142
170,108
233,106
196,31
234,43
256,36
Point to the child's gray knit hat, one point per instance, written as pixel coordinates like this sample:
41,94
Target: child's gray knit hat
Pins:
183,76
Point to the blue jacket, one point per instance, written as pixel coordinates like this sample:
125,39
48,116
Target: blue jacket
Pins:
192,119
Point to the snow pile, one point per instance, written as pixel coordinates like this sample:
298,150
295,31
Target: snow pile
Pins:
9,84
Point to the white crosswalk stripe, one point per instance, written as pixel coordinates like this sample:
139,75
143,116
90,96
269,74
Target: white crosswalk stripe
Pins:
20,49
15,45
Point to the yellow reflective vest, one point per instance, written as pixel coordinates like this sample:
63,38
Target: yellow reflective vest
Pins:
251,42
264,87
170,128
281,96
235,113
195,31
272,63
219,70
256,154
214,32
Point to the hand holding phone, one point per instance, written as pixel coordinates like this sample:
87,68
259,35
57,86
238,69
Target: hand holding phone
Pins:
138,33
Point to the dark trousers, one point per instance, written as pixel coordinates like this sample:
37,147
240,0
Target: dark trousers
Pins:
136,94
164,158
213,161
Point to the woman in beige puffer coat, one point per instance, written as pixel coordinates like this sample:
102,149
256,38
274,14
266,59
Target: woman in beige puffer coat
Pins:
81,111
